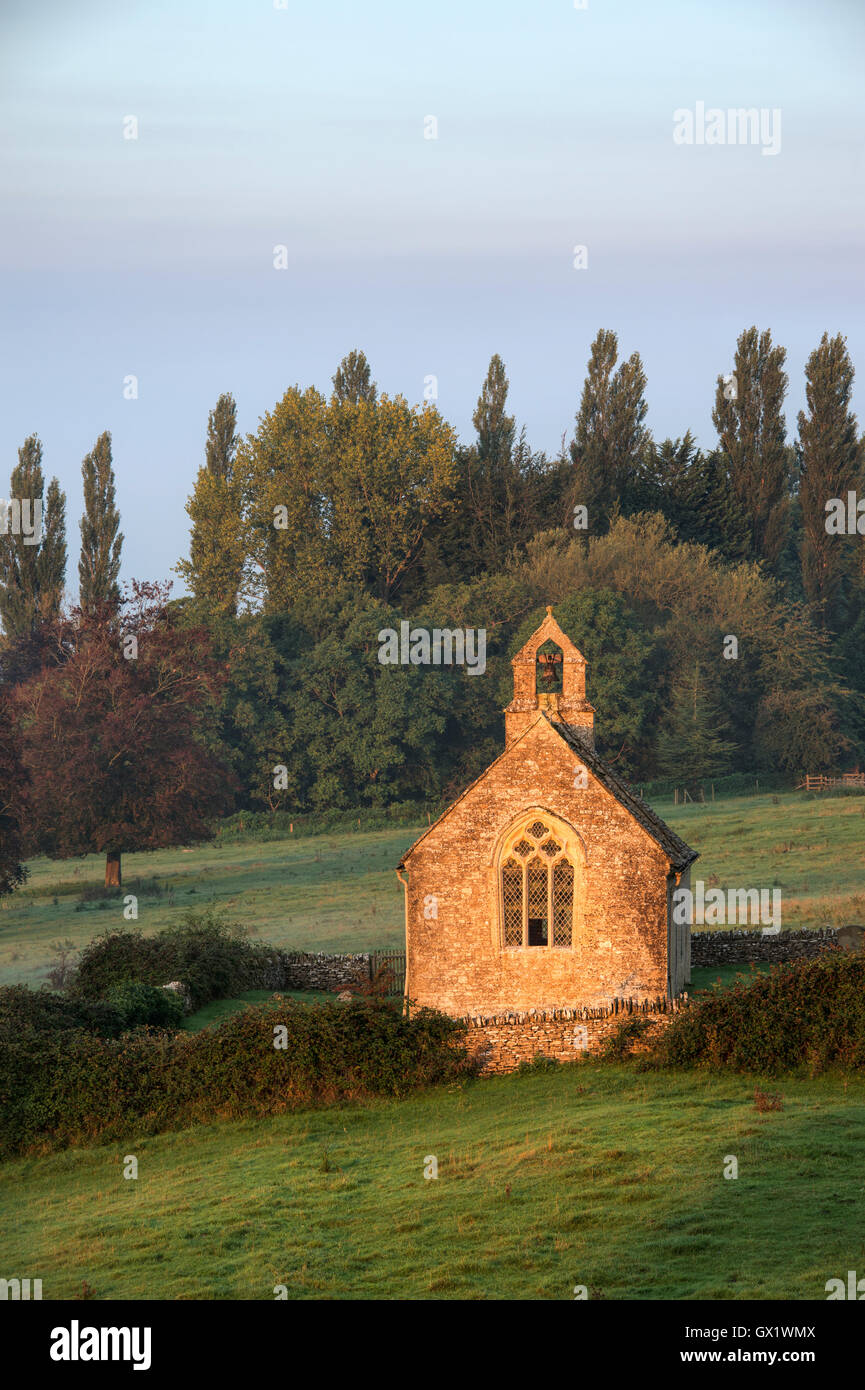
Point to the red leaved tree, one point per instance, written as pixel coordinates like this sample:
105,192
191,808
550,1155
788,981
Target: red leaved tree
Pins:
114,729
12,779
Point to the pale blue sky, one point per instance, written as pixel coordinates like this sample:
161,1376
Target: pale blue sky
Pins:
304,126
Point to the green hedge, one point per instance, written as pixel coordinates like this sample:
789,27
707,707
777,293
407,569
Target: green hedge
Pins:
206,954
70,1086
807,1013
28,1012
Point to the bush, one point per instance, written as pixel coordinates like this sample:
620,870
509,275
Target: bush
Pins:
43,1013
141,1005
205,953
539,1063
620,1043
807,1013
72,1087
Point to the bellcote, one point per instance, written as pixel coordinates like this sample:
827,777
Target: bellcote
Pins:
549,677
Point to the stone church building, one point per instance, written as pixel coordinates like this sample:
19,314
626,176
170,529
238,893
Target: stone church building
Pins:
548,883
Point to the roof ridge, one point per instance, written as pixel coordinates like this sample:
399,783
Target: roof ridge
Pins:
680,853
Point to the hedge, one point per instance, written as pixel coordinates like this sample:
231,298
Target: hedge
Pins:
71,1086
801,1014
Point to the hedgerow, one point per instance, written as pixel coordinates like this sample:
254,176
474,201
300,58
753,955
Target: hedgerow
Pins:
70,1086
803,1014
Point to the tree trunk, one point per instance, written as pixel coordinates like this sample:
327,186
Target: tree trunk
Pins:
112,869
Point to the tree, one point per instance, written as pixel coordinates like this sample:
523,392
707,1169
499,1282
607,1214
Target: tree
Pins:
113,731
691,603
352,381
12,779
692,491
222,437
343,490
830,465
214,571
101,541
748,415
610,436
32,567
692,743
496,429
497,496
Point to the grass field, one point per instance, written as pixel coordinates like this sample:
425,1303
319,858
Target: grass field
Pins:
340,893
591,1174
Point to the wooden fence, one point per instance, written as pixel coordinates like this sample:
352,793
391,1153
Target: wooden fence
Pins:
394,963
821,783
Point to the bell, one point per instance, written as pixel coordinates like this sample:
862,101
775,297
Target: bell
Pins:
548,663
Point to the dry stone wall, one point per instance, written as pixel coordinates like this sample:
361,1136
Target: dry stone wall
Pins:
317,970
500,1042
730,947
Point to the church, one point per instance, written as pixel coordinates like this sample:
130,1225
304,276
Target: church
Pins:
548,883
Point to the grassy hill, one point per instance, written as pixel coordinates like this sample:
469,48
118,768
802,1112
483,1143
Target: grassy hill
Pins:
339,892
591,1174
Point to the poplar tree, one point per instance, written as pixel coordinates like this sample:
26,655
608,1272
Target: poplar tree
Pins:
32,576
496,493
101,540
214,571
748,415
830,466
496,429
610,435
352,381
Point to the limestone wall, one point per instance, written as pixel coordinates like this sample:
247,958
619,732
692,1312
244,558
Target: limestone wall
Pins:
729,947
499,1042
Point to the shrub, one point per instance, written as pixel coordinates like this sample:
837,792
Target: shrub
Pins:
208,955
72,1087
619,1044
142,1005
42,1012
806,1013
539,1063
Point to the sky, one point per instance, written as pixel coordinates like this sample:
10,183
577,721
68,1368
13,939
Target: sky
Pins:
303,124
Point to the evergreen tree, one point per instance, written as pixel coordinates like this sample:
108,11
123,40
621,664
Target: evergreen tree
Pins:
692,491
831,465
610,436
352,381
214,571
32,576
748,415
692,745
101,541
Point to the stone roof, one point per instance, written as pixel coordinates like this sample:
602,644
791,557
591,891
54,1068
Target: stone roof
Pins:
679,854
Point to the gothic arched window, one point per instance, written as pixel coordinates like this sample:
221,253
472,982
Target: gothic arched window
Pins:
537,884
